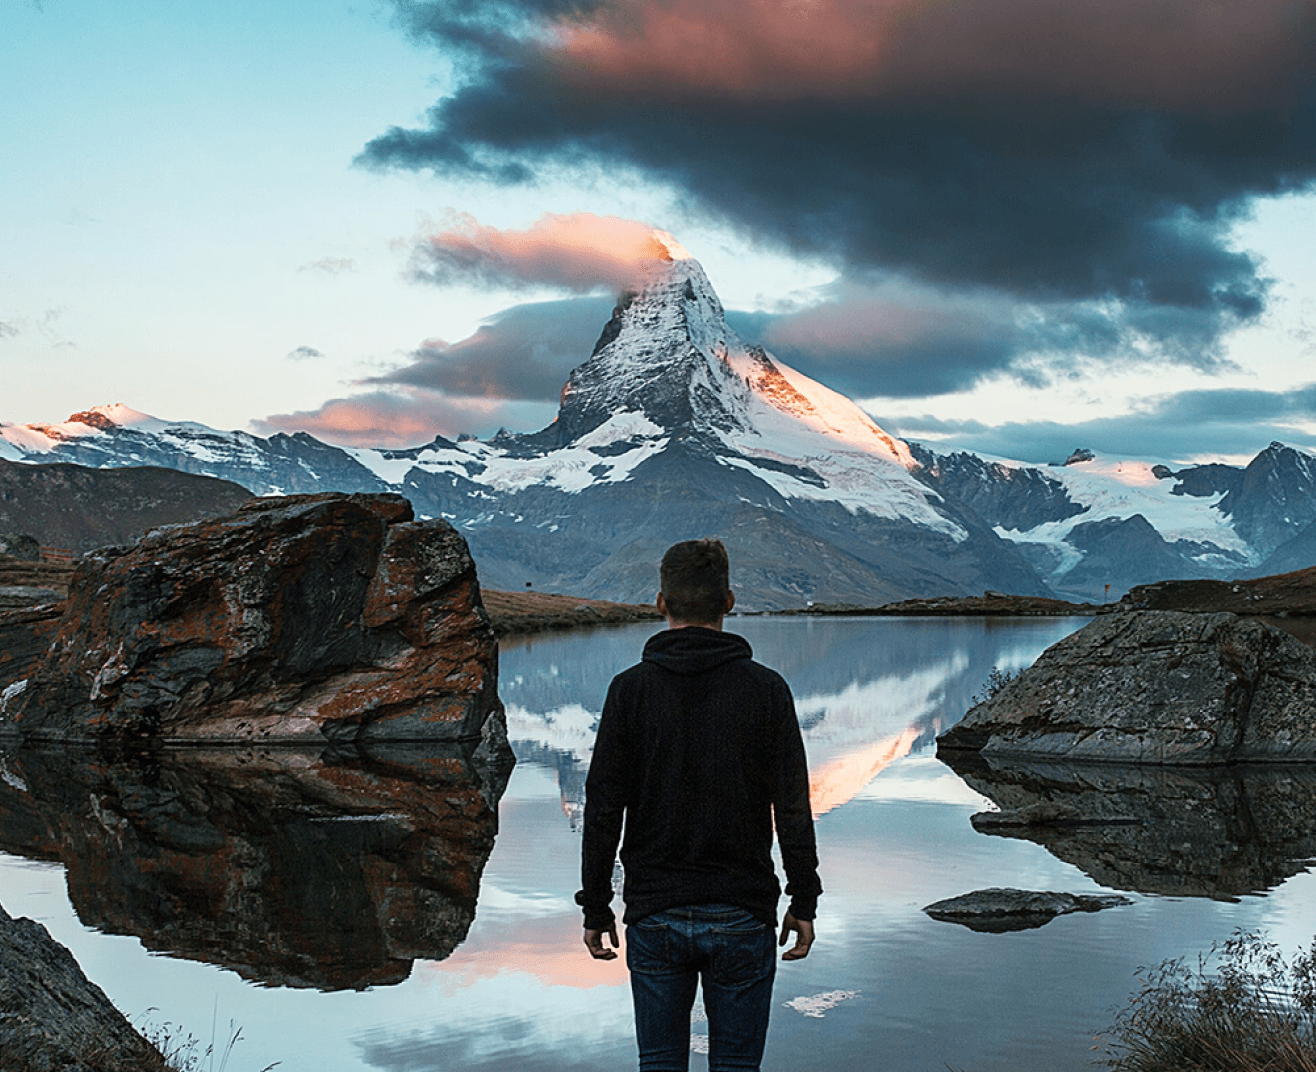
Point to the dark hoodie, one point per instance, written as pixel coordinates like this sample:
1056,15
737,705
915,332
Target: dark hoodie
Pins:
699,748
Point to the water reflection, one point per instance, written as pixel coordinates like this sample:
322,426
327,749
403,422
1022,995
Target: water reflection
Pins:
867,691
332,870
1218,832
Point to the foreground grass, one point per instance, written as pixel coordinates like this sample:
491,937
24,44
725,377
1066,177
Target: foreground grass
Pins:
183,1052
1241,1008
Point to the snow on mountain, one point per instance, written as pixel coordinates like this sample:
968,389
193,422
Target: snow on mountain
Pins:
1114,487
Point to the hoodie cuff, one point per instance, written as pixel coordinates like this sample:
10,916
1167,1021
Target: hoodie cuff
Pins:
597,917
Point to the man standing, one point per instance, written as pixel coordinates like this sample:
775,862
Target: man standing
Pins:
699,751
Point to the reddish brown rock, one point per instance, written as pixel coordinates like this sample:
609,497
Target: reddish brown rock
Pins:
304,617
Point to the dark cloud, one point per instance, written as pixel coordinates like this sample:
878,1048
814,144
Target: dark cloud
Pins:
900,340
7,331
524,353
303,353
1174,428
1054,150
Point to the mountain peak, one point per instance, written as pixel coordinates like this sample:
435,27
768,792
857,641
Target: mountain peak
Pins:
667,248
668,354
113,415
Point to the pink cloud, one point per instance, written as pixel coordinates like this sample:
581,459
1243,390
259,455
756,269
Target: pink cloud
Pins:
578,252
405,419
1178,54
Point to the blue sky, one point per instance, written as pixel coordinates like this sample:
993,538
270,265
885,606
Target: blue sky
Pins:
246,215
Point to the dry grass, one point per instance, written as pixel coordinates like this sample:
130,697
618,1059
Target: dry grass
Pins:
1241,1008
183,1052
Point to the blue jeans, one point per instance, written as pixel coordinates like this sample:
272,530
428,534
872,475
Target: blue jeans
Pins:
734,954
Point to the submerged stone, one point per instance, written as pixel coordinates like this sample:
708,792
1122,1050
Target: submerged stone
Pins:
997,910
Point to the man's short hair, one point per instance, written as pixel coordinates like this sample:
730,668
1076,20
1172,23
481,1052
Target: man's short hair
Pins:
695,578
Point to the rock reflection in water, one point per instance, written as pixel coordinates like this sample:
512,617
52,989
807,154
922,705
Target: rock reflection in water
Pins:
291,867
1219,832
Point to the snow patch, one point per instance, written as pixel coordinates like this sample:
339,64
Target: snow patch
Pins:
1113,487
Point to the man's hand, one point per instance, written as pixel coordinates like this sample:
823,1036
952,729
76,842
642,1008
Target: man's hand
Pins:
803,929
594,942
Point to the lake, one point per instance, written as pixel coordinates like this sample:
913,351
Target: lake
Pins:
363,915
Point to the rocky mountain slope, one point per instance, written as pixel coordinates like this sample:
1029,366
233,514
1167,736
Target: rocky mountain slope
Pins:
77,509
674,428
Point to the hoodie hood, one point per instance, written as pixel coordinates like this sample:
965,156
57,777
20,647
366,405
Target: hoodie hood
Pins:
694,649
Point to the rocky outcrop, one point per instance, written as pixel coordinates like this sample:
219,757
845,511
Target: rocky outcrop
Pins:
1217,832
301,618
334,869
28,583
52,1019
996,911
1155,687
20,546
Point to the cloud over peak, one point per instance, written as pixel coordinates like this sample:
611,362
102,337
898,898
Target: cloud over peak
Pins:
1054,151
579,252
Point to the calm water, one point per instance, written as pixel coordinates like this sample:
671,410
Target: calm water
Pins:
275,931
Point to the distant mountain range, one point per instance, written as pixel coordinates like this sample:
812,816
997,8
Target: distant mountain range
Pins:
674,428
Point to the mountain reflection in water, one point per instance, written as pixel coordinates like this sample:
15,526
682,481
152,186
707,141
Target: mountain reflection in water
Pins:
867,691
292,868
1218,832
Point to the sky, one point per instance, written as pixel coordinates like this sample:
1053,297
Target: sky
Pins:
1012,226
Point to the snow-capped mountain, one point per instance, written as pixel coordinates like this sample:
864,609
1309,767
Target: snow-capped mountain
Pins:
674,428
1099,520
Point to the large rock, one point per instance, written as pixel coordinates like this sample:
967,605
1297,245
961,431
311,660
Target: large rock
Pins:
308,617
1155,687
334,868
52,1019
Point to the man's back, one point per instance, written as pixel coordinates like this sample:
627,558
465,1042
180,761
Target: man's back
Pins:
699,745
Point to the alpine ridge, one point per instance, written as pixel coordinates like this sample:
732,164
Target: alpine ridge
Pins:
675,428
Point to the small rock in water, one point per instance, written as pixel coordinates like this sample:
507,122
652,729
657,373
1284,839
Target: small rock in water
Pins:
996,910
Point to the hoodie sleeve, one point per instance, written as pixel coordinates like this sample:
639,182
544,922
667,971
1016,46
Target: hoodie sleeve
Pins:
792,813
605,803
